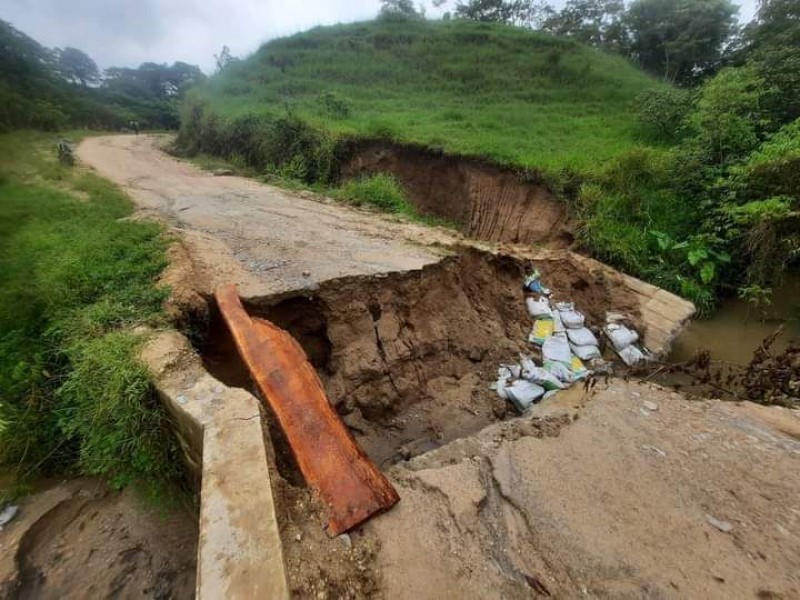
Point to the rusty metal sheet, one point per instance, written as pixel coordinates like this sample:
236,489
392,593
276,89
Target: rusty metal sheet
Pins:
336,468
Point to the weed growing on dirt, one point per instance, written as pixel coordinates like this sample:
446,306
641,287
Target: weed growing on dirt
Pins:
381,191
77,276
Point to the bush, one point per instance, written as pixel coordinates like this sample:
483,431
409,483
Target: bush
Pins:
381,191
661,113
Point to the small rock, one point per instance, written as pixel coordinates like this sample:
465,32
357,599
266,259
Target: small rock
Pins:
306,273
182,399
723,526
298,537
650,405
345,539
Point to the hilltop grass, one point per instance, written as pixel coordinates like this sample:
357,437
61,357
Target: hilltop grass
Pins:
517,97
77,277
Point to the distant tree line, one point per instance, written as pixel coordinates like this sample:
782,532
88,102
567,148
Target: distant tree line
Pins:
46,88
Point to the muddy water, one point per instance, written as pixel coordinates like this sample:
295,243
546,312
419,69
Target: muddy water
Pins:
737,329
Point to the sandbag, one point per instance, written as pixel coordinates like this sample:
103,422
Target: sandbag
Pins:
631,355
544,378
585,352
538,308
542,330
523,394
560,370
556,347
572,319
621,337
558,326
582,337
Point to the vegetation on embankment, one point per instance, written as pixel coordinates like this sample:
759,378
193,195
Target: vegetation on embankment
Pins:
514,96
77,277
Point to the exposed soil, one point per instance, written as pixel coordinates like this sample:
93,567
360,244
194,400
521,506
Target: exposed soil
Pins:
407,358
80,539
488,202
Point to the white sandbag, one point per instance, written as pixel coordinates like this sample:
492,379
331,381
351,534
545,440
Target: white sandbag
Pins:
523,393
560,370
558,326
585,352
538,308
621,337
631,355
543,378
572,319
556,347
582,337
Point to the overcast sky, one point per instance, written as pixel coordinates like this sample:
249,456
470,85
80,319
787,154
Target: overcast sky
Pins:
127,33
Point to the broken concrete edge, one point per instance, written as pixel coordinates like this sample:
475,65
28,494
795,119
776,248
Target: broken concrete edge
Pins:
240,554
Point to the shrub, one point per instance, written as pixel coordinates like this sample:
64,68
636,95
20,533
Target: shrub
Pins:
661,113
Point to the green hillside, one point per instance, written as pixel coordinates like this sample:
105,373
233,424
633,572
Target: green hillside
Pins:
515,96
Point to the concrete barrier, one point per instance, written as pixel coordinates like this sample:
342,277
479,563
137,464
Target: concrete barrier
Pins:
219,428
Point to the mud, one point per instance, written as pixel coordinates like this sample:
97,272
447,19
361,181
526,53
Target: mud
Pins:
487,202
407,358
80,539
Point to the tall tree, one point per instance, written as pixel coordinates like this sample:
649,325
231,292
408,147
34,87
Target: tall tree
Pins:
76,66
772,43
680,39
398,10
595,22
517,12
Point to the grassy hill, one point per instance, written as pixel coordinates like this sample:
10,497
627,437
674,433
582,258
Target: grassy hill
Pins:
517,97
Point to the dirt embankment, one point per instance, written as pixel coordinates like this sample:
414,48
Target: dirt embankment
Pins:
489,203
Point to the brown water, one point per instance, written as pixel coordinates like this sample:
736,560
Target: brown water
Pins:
737,329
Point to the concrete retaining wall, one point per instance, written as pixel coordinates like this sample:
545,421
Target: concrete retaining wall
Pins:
239,552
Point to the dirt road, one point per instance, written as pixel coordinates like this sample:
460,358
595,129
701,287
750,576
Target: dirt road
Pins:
261,237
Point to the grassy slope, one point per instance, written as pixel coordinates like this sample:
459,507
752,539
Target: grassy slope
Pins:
75,278
512,95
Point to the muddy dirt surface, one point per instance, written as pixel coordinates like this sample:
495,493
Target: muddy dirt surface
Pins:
406,358
263,238
80,539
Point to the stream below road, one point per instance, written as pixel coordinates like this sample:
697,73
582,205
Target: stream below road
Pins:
736,330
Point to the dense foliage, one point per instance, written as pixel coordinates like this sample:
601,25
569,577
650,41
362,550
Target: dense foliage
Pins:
53,89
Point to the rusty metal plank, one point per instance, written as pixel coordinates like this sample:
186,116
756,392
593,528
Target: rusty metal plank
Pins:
336,468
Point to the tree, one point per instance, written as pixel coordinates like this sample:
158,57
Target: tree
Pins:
224,59
680,39
595,22
77,67
517,12
772,43
398,10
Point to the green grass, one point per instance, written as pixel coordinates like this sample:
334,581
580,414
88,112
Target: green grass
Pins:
76,276
518,97
381,191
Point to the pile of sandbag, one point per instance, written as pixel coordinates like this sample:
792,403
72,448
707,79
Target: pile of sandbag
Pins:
560,332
